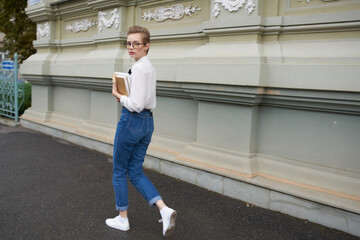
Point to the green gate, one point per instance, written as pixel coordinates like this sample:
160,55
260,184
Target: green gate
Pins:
11,90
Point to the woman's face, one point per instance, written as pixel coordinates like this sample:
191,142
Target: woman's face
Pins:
136,47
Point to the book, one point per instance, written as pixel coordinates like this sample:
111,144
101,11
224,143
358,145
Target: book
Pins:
122,82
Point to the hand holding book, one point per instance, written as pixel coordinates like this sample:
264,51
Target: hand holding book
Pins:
122,83
115,92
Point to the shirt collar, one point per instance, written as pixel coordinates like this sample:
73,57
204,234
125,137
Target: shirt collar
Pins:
142,59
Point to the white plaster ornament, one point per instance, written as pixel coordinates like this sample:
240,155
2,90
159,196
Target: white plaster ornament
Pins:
233,6
175,12
43,30
113,21
83,25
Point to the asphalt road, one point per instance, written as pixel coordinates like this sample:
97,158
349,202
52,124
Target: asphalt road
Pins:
52,189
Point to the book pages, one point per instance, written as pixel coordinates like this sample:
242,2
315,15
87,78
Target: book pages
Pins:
122,81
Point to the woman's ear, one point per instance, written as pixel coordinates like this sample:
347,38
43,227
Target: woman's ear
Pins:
147,46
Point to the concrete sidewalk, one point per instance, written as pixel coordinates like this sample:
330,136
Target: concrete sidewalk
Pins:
52,189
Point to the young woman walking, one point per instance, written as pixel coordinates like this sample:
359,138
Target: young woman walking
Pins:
133,134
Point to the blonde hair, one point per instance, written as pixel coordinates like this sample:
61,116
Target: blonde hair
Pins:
144,33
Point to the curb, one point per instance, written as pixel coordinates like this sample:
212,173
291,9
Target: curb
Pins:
9,122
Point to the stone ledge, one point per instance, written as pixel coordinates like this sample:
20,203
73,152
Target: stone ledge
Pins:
288,181
313,100
260,196
9,122
77,137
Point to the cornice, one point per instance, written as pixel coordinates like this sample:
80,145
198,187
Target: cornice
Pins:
45,13
72,9
96,84
38,80
325,101
138,2
104,4
221,93
327,22
311,100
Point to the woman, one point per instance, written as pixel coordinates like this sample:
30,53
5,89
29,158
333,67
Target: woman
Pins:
133,134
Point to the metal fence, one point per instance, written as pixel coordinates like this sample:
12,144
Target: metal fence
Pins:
11,90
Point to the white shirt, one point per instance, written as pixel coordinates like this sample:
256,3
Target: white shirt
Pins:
142,88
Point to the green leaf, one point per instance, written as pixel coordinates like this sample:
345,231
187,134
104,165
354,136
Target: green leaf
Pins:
19,30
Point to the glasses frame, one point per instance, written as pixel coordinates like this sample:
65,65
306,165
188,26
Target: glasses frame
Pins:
134,45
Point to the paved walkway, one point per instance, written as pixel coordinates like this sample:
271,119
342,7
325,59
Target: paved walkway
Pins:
51,189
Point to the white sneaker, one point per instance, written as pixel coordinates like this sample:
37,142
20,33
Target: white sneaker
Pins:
168,216
118,223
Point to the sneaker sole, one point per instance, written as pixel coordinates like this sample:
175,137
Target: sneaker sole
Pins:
171,227
118,228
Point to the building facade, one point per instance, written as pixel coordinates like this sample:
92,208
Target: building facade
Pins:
2,54
257,99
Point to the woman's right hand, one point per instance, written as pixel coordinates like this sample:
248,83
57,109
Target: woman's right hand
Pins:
115,92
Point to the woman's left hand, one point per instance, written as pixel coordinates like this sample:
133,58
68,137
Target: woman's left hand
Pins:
115,92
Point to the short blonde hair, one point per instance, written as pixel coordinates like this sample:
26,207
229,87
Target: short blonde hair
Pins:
144,32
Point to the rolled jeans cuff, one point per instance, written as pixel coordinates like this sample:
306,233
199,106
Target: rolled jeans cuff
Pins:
154,200
122,208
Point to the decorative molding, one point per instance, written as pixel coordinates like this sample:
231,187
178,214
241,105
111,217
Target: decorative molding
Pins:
233,6
176,12
113,21
308,1
43,30
33,2
107,4
312,100
83,25
95,84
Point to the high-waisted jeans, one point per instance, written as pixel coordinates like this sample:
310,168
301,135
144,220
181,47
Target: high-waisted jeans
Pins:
132,138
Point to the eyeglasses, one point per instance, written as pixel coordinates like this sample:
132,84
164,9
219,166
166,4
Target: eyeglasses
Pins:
135,45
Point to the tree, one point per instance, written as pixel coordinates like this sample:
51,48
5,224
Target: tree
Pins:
19,30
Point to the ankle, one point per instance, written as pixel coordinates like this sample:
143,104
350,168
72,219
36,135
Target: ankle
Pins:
160,204
123,214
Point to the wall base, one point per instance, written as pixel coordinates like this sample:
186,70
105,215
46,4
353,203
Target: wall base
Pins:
261,196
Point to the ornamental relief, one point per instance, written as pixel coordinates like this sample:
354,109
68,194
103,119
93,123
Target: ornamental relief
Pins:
233,6
103,22
83,25
176,12
108,23
43,30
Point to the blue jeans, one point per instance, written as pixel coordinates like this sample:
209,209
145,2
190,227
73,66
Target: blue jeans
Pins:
132,138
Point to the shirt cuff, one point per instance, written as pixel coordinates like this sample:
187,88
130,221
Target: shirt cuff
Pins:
122,99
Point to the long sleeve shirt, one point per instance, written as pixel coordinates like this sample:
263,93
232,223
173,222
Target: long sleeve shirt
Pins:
142,88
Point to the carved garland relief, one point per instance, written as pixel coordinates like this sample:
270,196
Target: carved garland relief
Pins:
175,12
86,24
113,21
83,25
233,6
43,30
